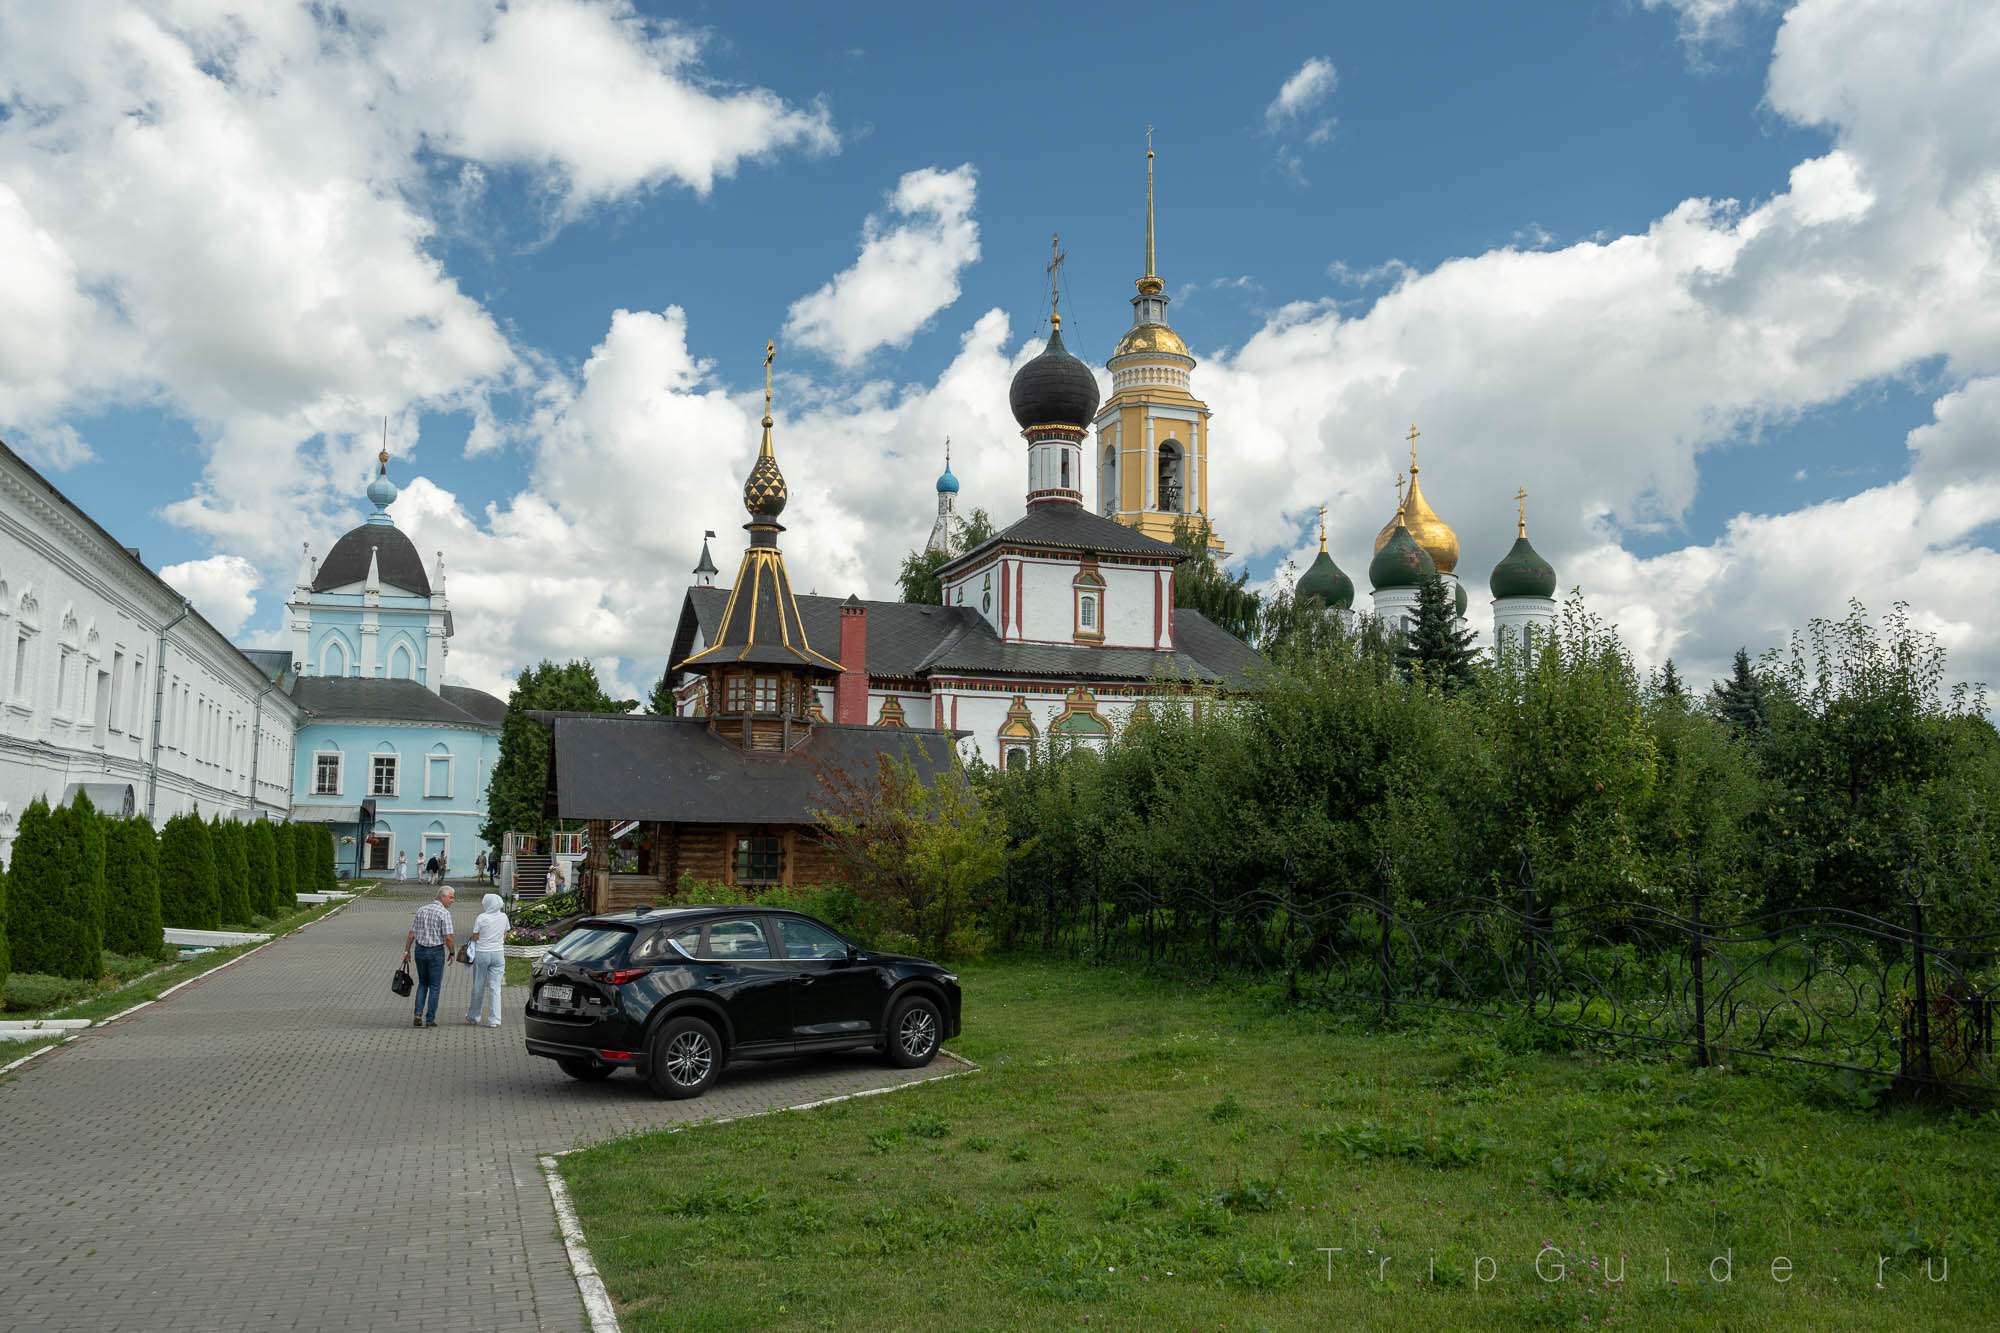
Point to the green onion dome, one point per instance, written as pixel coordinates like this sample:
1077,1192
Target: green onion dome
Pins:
1458,590
1401,563
1324,580
1523,573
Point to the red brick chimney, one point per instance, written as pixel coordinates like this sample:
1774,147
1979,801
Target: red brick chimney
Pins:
850,692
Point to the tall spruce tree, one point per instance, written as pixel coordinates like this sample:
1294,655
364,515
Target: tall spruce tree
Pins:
520,774
1435,648
1739,700
1669,687
188,894
44,904
132,923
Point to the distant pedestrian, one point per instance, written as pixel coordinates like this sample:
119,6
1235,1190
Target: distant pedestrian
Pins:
402,867
489,960
430,937
479,865
431,871
444,867
555,882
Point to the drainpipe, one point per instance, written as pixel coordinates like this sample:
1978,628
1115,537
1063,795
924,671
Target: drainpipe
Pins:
257,744
159,706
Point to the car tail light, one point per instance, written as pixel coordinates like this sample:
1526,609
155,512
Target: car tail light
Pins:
621,976
616,1055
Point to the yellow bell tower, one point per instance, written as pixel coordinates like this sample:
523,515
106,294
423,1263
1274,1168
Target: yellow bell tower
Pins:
1152,433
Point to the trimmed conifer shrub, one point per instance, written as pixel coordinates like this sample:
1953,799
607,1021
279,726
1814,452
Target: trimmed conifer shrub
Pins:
86,934
263,860
187,875
305,858
132,889
323,853
232,869
284,884
43,906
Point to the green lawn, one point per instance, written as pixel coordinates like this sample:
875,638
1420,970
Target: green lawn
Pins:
1142,1154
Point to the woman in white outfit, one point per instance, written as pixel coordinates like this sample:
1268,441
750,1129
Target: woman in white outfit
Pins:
402,866
489,959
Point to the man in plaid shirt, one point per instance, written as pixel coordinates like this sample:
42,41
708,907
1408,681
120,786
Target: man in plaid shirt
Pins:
430,935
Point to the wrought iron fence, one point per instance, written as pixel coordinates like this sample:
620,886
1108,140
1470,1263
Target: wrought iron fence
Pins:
1816,986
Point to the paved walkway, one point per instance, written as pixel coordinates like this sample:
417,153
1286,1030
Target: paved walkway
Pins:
276,1147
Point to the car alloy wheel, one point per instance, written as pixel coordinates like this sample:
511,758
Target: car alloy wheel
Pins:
913,1033
686,1058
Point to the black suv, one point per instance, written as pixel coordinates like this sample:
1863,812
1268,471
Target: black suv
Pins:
676,993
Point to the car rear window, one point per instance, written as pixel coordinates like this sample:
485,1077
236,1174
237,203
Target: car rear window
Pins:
592,943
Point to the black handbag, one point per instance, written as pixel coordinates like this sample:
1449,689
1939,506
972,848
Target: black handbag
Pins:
402,983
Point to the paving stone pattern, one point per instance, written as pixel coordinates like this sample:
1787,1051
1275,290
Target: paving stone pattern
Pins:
275,1147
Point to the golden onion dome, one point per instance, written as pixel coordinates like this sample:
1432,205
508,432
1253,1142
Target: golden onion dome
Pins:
1431,532
1150,338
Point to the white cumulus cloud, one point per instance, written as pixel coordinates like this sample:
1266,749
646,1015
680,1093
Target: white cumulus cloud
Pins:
223,588
1313,82
908,269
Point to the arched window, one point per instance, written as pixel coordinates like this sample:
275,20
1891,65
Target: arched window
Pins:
402,664
333,657
1107,481
1170,475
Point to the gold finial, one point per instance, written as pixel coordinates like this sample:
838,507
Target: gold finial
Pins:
1521,512
1322,527
1412,438
1149,284
382,459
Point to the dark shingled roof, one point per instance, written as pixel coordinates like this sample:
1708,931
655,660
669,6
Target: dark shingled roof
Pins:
637,766
912,641
479,703
273,662
396,560
361,699
1068,525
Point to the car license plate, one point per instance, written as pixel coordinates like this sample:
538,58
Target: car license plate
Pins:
557,995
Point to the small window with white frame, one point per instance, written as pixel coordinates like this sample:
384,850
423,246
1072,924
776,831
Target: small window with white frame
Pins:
437,775
382,775
326,772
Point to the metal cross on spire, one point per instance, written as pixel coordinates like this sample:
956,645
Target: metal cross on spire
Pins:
1056,257
1412,438
1399,497
770,355
1322,527
1521,511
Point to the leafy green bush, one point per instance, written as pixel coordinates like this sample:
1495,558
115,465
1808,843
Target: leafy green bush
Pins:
188,896
836,904
38,992
544,910
132,922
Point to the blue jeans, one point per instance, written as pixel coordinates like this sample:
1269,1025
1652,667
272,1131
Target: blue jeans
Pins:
430,980
489,969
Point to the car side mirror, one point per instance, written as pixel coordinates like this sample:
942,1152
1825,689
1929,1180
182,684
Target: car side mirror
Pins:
853,955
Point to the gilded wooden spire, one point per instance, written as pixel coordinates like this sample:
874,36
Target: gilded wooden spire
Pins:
764,493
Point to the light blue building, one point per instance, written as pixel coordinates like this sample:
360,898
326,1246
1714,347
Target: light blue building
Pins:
392,758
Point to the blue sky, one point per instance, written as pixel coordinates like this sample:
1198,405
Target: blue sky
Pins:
1691,271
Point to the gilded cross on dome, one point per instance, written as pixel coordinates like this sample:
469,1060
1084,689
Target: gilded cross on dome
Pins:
1521,511
1056,257
1322,527
1412,438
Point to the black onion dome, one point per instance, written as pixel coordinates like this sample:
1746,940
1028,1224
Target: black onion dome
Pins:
764,492
1523,573
1401,563
1054,389
396,560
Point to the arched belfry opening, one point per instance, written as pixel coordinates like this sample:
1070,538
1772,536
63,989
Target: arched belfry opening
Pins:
1171,488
